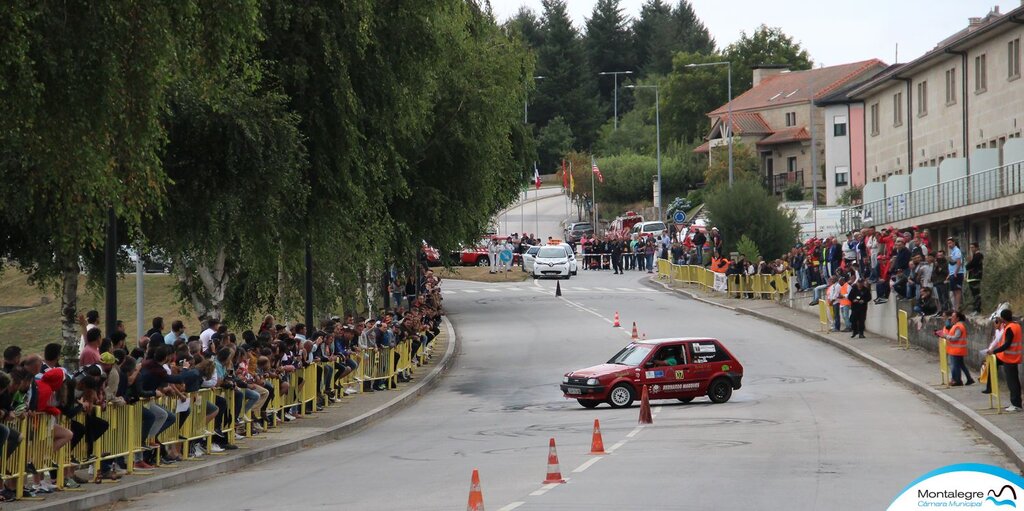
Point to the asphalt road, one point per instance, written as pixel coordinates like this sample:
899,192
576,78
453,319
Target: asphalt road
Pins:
811,428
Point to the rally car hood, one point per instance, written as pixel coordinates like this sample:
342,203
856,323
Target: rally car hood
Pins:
599,370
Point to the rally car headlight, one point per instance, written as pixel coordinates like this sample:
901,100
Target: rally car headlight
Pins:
592,381
565,379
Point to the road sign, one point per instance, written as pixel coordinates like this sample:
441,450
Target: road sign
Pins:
505,256
679,217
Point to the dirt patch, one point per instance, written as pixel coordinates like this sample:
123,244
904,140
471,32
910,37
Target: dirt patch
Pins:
478,274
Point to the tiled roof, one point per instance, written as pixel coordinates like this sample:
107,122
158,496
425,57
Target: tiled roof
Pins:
703,148
796,86
787,135
745,123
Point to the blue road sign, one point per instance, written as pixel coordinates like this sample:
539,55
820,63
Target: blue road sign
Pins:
679,217
505,256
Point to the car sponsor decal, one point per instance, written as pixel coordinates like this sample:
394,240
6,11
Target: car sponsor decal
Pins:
655,374
672,387
703,348
690,385
725,367
655,389
679,375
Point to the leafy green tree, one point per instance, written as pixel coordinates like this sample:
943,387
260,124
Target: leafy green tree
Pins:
747,209
767,45
474,152
554,141
609,47
662,31
628,178
690,93
525,26
745,163
82,89
569,87
851,195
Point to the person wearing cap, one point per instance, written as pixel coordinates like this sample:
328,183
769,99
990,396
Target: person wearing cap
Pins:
997,338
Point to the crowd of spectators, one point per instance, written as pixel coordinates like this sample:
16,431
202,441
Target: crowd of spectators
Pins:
111,371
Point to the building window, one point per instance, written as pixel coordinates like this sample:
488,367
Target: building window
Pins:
1013,59
790,118
842,176
951,86
922,99
980,74
791,164
897,109
839,126
874,119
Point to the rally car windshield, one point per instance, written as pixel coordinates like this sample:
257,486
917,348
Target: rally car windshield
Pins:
631,355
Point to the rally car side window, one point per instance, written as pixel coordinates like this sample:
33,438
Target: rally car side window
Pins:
702,352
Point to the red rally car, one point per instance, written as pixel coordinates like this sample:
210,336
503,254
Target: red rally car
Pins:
681,368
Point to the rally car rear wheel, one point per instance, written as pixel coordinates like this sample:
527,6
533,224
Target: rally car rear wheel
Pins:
621,396
720,390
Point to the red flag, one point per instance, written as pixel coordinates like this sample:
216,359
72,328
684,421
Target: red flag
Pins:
597,171
565,176
536,176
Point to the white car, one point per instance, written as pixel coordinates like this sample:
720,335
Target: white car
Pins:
528,258
552,261
572,258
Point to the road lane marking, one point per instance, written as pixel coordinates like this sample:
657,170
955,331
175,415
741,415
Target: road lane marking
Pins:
472,291
601,289
580,289
546,488
618,444
626,289
512,506
492,290
633,433
587,464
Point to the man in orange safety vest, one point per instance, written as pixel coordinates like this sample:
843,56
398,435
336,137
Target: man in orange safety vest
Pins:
955,334
1009,355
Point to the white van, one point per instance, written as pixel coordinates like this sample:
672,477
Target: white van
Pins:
649,228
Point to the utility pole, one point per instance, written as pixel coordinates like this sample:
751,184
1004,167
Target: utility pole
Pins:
616,74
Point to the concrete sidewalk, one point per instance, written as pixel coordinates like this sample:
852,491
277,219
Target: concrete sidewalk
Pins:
336,421
916,368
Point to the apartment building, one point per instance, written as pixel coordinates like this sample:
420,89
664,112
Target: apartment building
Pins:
938,129
780,117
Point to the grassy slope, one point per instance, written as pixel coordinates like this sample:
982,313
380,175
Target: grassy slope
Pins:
34,328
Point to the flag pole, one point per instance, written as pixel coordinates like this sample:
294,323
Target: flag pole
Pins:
593,194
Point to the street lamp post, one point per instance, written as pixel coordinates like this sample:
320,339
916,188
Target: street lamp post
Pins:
526,106
616,100
657,129
729,105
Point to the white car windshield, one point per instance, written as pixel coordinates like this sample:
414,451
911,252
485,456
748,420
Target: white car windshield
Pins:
658,227
631,355
551,253
533,251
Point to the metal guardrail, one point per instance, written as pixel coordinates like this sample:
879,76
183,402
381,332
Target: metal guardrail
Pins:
972,189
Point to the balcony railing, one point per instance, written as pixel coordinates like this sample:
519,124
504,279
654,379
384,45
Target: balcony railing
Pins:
965,191
780,182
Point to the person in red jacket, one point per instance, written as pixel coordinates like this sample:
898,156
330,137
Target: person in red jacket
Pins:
48,389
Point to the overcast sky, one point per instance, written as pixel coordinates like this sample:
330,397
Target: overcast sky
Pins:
832,31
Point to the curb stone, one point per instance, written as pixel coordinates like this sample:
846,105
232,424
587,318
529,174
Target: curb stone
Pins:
157,481
1010,447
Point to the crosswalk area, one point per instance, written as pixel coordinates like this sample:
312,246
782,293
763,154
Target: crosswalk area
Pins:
544,290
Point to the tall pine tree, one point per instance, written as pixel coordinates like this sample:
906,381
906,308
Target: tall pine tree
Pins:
569,85
662,31
609,47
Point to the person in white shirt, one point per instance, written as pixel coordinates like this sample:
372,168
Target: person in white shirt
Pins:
833,301
207,335
90,321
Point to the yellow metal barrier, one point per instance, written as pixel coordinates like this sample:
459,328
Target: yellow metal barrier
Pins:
943,363
823,319
995,402
758,286
13,466
902,330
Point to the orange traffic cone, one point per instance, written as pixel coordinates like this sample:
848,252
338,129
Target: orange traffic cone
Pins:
616,323
645,408
476,497
597,443
554,474
636,335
